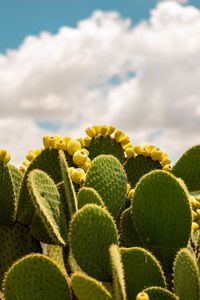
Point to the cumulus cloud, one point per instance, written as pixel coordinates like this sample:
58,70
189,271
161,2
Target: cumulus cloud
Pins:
144,79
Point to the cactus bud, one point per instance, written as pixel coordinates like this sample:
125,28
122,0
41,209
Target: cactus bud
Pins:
78,175
80,157
90,132
73,146
142,296
119,134
110,129
138,149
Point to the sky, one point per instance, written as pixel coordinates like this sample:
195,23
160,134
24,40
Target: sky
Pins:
67,65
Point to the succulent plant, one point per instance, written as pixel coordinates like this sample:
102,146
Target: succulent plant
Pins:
100,218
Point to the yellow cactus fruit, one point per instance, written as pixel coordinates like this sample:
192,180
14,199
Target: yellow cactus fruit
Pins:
86,151
87,141
7,158
119,134
198,198
164,154
145,152
156,154
60,145
79,157
124,141
138,149
38,151
73,146
22,169
53,140
142,296
30,156
195,226
70,170
131,193
77,175
103,130
198,213
66,140
26,163
3,154
85,166
129,145
128,187
129,152
81,140
165,161
195,204
97,129
46,141
167,168
149,146
110,129
194,215
90,132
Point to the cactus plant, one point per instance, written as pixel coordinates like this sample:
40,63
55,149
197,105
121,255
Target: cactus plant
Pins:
100,218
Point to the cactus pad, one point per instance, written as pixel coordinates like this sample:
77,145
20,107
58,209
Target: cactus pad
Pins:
186,276
88,195
92,232
47,201
188,168
160,204
8,201
36,277
105,145
136,167
106,175
118,273
88,288
158,293
16,242
141,270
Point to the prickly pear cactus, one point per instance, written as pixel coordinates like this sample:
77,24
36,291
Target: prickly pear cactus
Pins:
100,218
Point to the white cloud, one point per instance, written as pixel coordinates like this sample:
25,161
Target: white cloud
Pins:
67,78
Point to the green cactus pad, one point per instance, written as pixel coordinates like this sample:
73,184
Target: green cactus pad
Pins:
118,273
91,234
56,253
136,167
128,235
106,175
162,215
88,195
36,277
88,288
49,207
158,293
68,186
188,168
186,276
47,161
106,145
39,231
141,270
16,242
17,178
8,200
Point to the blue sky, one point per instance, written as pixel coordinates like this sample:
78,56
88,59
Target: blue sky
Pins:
133,64
26,17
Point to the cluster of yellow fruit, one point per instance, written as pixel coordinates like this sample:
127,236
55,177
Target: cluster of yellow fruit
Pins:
80,155
195,204
155,153
29,157
4,156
